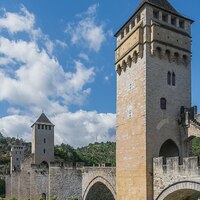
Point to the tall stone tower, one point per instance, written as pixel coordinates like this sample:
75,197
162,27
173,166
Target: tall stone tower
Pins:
17,156
43,140
153,84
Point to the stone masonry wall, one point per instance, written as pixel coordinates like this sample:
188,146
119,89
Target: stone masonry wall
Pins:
165,175
65,182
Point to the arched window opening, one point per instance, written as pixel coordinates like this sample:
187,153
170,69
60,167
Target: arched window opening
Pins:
169,78
158,52
44,140
185,60
44,151
44,196
129,61
169,149
176,57
163,103
119,71
173,79
167,52
135,57
124,65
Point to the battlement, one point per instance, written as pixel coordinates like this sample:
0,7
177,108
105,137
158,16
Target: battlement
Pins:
190,166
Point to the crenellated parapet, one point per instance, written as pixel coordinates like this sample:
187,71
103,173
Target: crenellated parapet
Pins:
168,172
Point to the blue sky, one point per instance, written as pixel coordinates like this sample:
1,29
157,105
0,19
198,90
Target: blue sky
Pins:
58,57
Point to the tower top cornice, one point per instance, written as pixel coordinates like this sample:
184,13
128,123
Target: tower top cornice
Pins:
160,4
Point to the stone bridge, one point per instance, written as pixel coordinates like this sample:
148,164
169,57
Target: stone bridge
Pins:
173,181
99,182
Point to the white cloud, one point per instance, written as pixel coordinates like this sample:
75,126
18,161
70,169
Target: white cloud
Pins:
84,56
77,129
18,22
61,44
33,80
106,78
87,31
16,125
40,78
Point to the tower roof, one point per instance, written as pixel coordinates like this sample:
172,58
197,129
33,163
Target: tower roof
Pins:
43,120
164,4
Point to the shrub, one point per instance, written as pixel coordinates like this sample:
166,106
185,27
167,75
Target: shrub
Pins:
12,198
73,198
53,198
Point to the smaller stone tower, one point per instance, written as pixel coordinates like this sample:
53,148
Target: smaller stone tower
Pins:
17,156
42,140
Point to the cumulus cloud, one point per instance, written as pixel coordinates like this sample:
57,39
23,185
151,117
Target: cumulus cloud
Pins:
86,31
39,78
33,80
16,126
77,129
17,22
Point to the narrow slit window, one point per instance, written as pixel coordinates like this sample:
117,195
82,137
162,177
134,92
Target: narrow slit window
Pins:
173,79
169,78
163,103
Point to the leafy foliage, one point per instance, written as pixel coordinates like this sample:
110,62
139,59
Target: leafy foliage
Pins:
92,154
12,198
98,153
73,198
196,146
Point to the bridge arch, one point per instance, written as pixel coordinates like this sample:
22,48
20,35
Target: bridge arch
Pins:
102,184
185,190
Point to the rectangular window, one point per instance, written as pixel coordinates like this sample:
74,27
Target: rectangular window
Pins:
164,17
138,18
49,127
127,29
173,21
42,126
38,126
181,24
132,23
46,127
122,35
156,14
